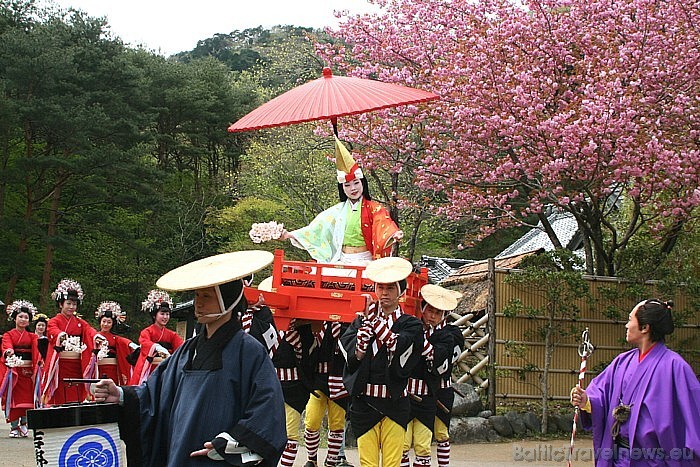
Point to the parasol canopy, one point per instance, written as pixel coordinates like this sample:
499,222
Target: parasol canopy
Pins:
329,97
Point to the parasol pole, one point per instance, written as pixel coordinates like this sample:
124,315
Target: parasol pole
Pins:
585,349
334,122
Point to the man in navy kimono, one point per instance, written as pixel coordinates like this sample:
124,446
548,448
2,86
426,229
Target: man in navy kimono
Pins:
217,398
643,408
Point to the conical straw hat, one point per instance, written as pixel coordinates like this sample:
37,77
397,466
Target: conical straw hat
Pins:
215,270
266,284
440,297
388,270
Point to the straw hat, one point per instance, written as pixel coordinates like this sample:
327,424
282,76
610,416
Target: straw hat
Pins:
440,298
266,284
388,270
215,270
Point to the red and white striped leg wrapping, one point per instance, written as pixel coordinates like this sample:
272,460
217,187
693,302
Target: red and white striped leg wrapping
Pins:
312,439
443,453
335,442
290,454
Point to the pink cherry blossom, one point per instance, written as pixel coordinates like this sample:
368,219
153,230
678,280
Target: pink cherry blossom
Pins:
578,104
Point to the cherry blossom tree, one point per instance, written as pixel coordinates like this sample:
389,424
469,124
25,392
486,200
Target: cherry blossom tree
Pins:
591,107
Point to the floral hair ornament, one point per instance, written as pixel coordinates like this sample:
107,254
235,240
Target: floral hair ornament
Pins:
110,309
346,167
20,305
40,317
155,299
68,288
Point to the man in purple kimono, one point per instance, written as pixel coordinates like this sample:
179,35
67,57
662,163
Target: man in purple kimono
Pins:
644,408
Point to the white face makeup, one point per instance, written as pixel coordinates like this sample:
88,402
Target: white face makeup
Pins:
353,189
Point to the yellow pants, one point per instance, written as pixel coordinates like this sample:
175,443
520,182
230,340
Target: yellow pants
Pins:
419,436
441,431
386,437
293,422
316,409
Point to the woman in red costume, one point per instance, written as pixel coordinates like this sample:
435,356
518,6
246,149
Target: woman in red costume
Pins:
20,358
157,342
70,347
40,322
109,356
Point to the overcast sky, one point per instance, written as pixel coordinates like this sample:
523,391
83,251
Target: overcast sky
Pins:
168,27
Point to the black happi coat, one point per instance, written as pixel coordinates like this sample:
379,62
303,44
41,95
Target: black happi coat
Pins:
445,358
262,327
365,411
328,352
296,393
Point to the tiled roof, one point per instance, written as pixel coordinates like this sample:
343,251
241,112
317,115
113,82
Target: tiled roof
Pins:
477,270
564,226
440,268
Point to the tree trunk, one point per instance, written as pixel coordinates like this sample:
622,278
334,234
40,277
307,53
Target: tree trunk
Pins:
28,212
414,235
549,230
589,254
3,171
50,234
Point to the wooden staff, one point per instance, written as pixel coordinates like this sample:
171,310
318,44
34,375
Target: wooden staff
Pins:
585,349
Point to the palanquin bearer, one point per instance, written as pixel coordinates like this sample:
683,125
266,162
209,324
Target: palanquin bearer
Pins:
257,319
110,352
329,396
381,348
70,347
430,385
291,362
354,231
19,365
289,351
217,398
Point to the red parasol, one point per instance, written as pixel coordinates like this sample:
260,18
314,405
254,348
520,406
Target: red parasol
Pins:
329,97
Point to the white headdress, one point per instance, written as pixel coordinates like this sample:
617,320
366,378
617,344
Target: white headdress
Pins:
155,299
21,305
67,287
114,309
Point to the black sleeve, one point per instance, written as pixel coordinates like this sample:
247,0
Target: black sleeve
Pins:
130,425
409,345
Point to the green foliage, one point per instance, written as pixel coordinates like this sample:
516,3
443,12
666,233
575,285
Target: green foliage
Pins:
229,226
293,170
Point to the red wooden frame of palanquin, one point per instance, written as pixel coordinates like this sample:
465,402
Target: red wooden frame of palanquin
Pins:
307,291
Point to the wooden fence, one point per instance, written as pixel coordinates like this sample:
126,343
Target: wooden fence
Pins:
518,351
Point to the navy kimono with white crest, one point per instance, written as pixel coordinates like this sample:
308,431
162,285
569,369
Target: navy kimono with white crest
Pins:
179,408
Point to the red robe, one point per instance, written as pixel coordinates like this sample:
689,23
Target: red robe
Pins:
150,336
54,391
377,228
23,343
114,366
